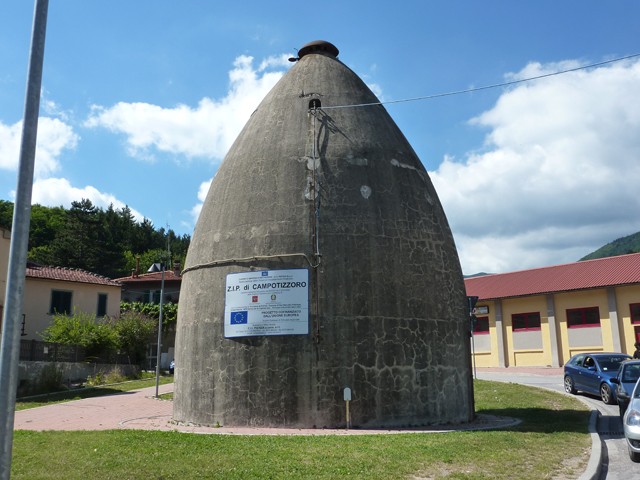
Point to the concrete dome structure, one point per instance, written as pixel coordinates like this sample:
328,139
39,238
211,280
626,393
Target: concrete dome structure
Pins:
334,202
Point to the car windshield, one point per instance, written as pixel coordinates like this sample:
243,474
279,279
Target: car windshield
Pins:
611,363
631,373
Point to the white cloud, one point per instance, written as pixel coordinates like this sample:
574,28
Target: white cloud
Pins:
202,196
557,175
274,61
10,145
377,91
207,130
52,108
54,192
54,136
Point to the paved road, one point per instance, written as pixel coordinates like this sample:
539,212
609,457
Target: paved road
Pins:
616,461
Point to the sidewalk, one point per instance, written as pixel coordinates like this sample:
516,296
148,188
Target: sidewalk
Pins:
98,413
546,371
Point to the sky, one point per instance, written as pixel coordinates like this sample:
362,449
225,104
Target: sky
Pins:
141,100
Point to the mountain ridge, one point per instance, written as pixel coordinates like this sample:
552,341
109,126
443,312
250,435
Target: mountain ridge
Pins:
620,246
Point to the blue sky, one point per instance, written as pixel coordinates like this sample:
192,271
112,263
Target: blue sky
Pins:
141,100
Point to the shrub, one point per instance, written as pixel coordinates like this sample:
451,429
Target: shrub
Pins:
130,333
115,375
82,329
134,330
152,310
95,380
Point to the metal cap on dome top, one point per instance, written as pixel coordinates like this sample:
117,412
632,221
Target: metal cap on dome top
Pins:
319,46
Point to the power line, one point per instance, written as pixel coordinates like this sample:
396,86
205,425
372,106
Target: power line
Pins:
486,87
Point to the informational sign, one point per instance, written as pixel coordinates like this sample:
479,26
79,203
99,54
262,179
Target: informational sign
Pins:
481,310
267,302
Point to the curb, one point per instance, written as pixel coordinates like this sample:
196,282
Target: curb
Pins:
594,467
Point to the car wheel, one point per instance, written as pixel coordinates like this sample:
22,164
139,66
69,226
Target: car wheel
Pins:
569,387
634,456
605,394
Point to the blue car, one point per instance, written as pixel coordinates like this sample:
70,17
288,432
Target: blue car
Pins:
592,373
626,379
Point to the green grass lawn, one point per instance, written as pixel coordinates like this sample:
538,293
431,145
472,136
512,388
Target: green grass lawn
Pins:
77,394
552,442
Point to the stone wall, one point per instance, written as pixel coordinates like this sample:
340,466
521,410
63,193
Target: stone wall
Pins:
72,372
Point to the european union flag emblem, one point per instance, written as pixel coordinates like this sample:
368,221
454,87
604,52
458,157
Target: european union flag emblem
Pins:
239,318
265,273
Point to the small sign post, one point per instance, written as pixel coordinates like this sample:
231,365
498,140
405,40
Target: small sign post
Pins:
347,399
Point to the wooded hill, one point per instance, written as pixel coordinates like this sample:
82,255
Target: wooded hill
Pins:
621,246
100,241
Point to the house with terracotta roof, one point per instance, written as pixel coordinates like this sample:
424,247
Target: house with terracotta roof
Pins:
543,316
48,290
145,287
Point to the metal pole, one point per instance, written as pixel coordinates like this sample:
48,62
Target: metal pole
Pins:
159,356
473,355
10,347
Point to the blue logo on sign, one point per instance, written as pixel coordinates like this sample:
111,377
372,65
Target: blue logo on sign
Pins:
239,318
265,273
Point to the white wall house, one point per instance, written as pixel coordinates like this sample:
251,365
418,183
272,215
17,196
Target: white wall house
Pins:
56,289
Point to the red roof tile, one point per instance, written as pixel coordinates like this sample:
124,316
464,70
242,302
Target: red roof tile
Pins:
169,276
68,275
599,273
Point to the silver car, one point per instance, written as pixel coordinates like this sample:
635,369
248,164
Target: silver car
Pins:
631,424
626,379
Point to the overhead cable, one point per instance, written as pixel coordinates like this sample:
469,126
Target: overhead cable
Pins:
486,87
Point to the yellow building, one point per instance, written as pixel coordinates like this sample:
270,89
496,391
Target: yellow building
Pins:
543,316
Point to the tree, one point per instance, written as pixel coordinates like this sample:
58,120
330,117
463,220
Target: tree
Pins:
45,224
106,242
6,214
127,228
41,255
134,330
111,262
146,238
144,260
76,245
